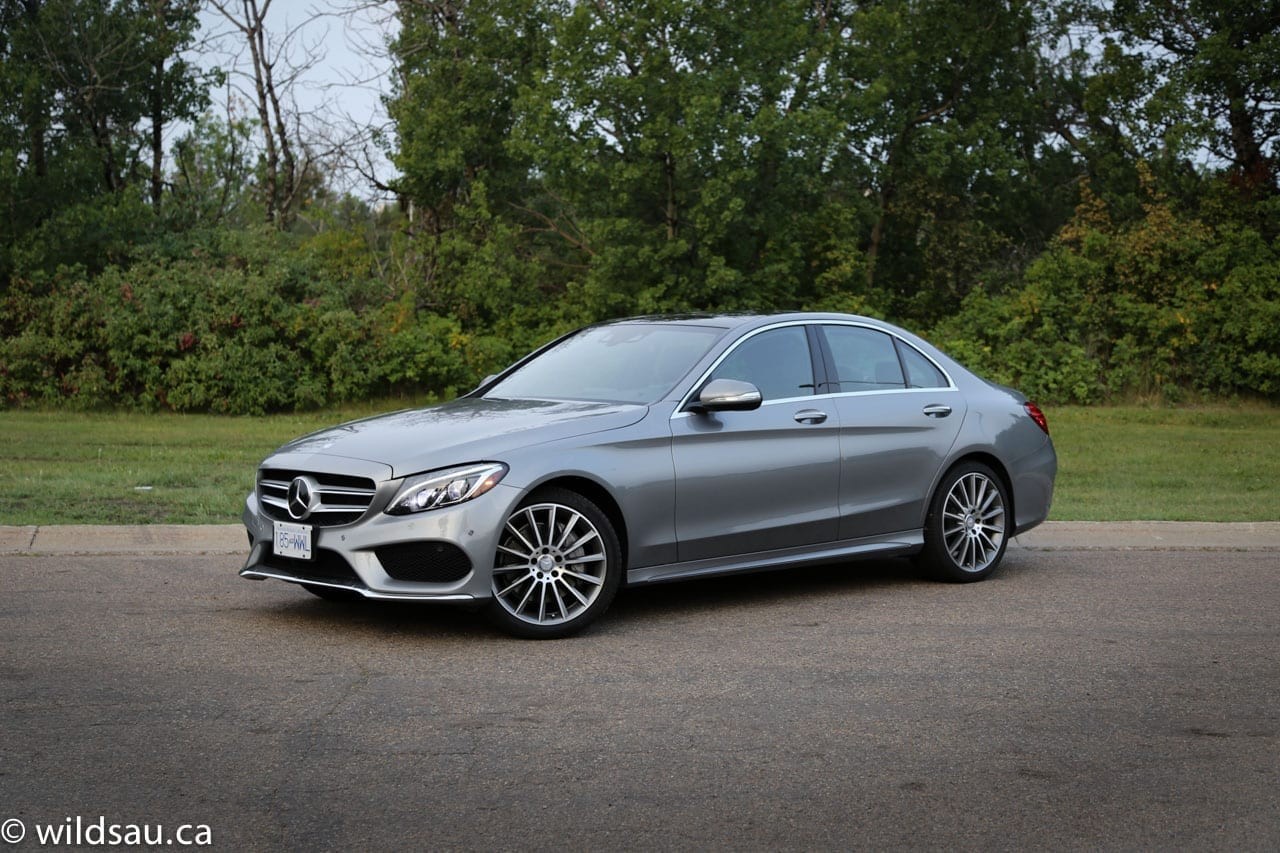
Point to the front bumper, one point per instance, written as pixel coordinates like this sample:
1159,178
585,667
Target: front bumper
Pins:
345,556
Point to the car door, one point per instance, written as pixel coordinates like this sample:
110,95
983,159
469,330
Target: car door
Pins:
899,416
763,479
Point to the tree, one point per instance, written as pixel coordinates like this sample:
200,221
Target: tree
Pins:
1203,73
665,154
460,67
175,90
681,149
945,101
212,169
286,170
85,87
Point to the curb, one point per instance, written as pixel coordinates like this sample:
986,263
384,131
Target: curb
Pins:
1151,536
179,539
99,539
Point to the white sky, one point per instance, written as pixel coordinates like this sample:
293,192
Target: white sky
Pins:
339,47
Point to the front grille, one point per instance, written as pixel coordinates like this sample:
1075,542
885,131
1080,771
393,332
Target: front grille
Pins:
326,566
424,562
342,499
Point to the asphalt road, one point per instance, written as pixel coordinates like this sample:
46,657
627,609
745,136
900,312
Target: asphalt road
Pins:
1079,699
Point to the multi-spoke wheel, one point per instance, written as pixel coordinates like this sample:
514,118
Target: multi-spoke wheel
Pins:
557,567
967,528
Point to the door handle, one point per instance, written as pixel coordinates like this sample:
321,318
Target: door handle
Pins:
937,411
810,416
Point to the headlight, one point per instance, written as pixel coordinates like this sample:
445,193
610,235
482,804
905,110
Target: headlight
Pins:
446,488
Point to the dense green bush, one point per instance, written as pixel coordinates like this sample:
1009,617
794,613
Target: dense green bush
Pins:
561,163
1239,328
247,326
1151,307
254,320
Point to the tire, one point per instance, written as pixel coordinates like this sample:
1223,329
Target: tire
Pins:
967,529
330,593
557,568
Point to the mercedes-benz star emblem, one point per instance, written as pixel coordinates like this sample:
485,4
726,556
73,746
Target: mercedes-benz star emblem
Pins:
302,497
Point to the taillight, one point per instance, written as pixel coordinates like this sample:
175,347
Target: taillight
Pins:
1038,416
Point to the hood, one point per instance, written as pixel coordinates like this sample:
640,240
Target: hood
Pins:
464,430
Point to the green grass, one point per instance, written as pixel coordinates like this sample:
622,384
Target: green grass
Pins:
1203,463
73,468
1215,463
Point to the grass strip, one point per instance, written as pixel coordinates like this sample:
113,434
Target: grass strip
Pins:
1116,463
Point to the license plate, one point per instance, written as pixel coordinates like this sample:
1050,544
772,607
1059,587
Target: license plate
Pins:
292,540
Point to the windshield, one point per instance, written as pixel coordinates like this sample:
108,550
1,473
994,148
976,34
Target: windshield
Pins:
623,363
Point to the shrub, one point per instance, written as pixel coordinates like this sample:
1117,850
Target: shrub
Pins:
242,326
1151,307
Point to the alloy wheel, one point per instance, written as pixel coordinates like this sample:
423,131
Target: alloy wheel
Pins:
973,522
551,564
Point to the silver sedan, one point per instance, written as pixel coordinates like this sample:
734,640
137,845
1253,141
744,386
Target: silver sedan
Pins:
656,449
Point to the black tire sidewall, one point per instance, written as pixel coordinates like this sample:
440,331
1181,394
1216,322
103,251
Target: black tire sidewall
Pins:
935,559
509,624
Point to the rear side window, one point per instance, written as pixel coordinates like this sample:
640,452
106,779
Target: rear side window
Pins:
921,372
777,362
865,359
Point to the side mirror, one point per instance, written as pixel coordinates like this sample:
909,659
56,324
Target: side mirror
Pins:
486,381
728,395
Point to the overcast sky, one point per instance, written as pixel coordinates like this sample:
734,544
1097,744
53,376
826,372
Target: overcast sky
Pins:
341,43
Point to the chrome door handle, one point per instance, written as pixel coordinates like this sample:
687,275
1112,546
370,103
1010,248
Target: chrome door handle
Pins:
810,416
937,411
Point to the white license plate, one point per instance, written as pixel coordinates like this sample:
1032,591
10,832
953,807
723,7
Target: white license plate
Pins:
292,540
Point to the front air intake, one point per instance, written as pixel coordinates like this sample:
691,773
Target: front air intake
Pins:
424,562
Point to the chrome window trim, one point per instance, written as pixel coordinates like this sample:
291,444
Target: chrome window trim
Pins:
833,395
684,401
951,383
890,391
950,387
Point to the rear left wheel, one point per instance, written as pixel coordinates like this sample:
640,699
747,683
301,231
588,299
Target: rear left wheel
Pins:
967,529
557,568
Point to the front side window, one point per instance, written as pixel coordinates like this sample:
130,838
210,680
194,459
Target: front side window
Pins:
777,362
865,359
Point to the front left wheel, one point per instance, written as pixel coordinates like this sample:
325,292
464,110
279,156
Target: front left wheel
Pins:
558,566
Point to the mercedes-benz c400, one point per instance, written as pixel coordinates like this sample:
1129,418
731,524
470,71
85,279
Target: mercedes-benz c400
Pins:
655,449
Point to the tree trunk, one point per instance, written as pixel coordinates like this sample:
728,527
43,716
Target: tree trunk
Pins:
253,29
671,214
157,135
1254,171
289,171
39,160
877,232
